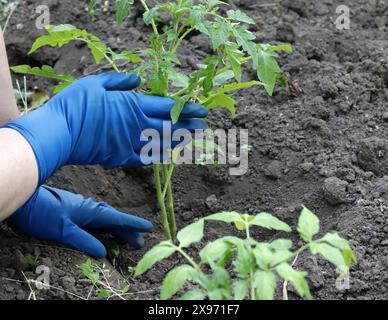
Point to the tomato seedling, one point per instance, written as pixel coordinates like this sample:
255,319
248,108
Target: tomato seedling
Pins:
212,85
257,266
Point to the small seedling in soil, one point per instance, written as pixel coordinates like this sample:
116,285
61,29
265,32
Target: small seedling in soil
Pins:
31,260
256,266
100,278
212,85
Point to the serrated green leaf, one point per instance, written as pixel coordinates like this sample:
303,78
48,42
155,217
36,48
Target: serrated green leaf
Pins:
159,252
158,83
222,100
123,8
195,294
297,279
223,77
244,261
227,217
330,253
233,55
263,256
265,284
191,234
98,50
44,71
267,69
175,280
282,47
179,80
245,39
238,86
240,289
308,225
150,15
268,221
87,271
219,33
215,251
238,15
103,294
177,108
126,55
281,244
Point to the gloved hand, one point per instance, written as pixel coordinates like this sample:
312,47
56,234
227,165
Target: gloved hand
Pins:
97,120
60,216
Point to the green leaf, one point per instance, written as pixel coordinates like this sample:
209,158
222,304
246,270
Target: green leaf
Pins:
335,240
191,234
240,289
267,68
175,280
195,294
228,217
308,225
58,37
265,284
282,47
61,86
103,294
158,83
123,8
219,33
240,16
150,15
238,86
263,255
330,253
159,252
215,251
233,55
268,221
98,50
177,108
244,39
244,261
222,100
223,77
44,71
281,244
179,80
297,278
126,55
87,271
92,6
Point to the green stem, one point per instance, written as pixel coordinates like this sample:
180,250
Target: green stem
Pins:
189,259
170,201
252,288
153,24
162,204
226,68
176,46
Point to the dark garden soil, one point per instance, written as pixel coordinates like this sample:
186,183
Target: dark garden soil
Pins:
322,143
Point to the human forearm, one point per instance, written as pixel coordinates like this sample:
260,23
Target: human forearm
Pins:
18,172
8,108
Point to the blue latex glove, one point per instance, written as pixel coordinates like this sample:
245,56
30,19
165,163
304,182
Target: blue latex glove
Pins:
98,120
60,216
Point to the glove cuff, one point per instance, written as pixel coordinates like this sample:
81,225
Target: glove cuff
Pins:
49,140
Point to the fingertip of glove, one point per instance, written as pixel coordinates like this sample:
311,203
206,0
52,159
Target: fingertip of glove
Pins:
194,110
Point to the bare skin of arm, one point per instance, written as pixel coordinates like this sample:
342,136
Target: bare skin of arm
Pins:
18,166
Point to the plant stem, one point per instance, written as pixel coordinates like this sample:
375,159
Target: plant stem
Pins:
170,200
252,288
153,24
176,46
162,204
189,259
226,68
